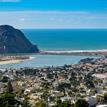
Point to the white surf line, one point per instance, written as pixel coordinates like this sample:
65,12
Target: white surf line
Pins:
72,51
76,52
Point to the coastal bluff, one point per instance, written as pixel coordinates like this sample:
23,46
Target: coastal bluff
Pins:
13,41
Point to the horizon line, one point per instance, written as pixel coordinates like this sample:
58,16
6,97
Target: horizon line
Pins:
62,28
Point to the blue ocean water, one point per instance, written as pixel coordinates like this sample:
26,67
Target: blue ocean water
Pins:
62,40
68,39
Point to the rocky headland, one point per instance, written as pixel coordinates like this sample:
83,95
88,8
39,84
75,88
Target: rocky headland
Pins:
13,41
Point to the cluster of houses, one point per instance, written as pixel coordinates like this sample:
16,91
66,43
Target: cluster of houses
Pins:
86,80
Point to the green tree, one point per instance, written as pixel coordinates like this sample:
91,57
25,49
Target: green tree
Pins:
40,103
45,95
8,100
105,98
63,104
9,87
26,102
5,79
81,103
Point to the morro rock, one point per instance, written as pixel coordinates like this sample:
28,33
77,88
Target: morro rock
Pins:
14,41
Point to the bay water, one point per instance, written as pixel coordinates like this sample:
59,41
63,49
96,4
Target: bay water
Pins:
61,39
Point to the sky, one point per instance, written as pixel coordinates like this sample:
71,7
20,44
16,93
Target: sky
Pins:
65,14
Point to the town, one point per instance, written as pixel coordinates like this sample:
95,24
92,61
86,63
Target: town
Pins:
76,85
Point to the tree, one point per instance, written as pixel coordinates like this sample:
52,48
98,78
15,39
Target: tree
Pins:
8,100
62,104
45,95
40,103
89,81
81,103
105,98
26,102
9,87
5,79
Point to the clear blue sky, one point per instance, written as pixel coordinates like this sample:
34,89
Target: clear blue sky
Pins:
54,13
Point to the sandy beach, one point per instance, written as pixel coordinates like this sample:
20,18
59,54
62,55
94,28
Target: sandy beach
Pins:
14,60
10,62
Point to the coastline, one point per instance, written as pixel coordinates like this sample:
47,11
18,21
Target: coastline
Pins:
10,62
9,59
14,59
76,52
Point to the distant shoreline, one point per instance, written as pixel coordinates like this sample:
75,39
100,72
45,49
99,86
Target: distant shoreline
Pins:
76,52
13,59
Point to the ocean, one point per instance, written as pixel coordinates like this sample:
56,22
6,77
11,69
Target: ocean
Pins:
67,39
60,39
